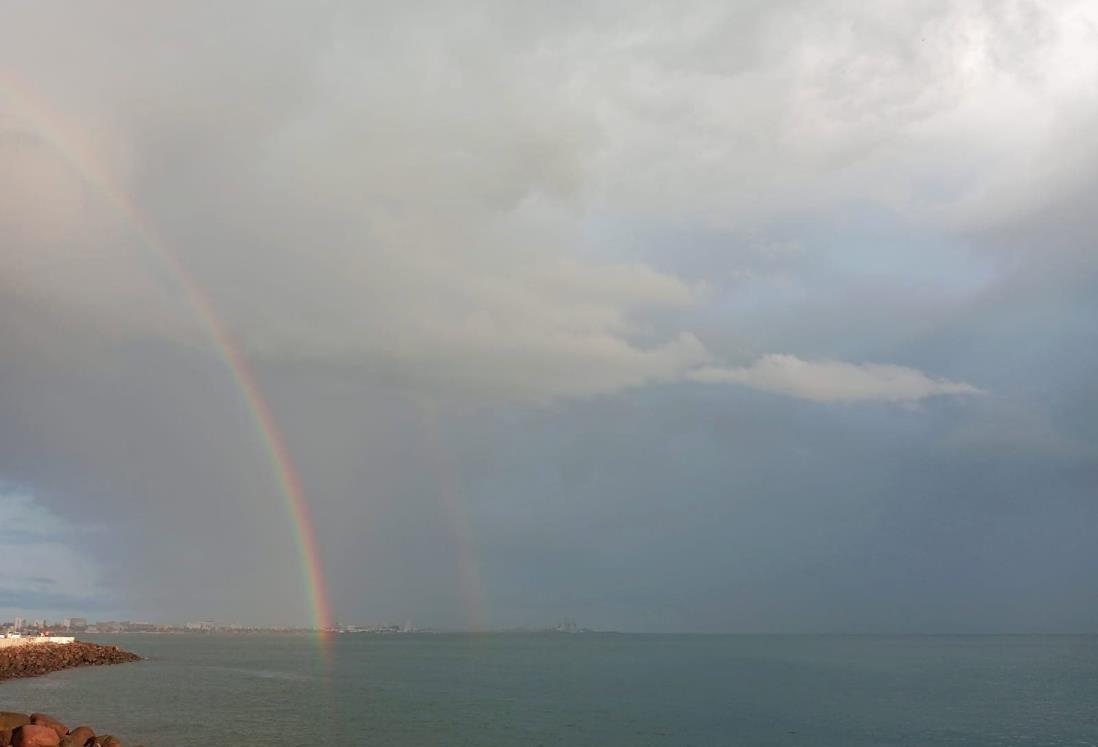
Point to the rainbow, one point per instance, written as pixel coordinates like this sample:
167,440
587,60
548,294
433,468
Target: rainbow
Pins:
49,126
439,465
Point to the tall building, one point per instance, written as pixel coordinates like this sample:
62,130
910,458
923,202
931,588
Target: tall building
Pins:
18,625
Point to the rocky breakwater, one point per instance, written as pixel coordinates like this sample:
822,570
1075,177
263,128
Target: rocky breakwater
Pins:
41,658
41,730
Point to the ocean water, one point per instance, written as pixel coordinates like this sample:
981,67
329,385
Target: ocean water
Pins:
586,689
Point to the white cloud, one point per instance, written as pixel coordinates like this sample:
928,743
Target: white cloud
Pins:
834,381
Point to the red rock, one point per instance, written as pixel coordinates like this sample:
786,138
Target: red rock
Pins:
44,719
13,719
80,735
32,735
9,722
109,741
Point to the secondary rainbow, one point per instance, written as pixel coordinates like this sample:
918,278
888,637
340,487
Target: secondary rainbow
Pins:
50,128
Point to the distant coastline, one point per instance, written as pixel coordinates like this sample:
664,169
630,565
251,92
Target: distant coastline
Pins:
79,626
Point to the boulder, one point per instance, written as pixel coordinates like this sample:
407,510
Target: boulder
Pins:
11,720
109,741
44,719
80,736
33,735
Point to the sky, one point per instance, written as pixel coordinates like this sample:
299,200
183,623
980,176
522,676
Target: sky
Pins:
700,316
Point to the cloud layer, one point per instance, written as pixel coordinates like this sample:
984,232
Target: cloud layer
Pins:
396,191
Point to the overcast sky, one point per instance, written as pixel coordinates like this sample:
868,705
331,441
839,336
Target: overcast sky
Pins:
700,316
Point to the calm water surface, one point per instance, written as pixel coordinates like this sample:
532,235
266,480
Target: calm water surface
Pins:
583,690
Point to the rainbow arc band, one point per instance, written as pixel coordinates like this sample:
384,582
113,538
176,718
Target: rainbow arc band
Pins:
51,129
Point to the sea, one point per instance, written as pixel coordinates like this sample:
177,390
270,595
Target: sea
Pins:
582,689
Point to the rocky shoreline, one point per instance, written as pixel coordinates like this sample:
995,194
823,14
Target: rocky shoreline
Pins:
42,730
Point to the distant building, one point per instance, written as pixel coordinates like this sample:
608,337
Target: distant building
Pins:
18,623
140,627
566,626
